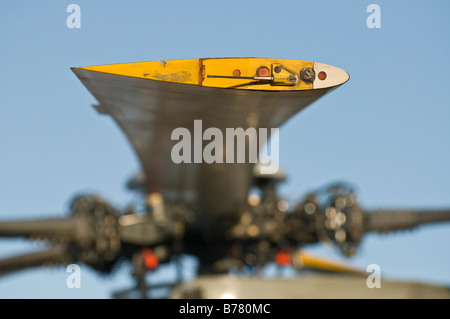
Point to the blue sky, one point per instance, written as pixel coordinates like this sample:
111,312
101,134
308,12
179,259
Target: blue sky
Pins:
386,130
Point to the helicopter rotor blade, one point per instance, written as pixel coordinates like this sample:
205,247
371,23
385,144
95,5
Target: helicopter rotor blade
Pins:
60,228
383,221
55,255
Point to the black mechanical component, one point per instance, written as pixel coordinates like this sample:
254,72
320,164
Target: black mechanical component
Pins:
330,214
333,214
340,219
90,235
95,234
98,235
97,239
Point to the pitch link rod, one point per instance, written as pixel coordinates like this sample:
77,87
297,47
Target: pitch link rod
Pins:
258,78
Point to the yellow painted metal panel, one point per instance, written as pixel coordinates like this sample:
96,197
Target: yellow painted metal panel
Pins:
231,73
178,71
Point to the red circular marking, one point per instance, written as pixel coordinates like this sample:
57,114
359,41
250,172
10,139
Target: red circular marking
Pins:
237,72
282,258
322,75
263,71
150,260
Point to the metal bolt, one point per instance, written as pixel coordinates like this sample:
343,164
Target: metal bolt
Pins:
307,75
292,79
